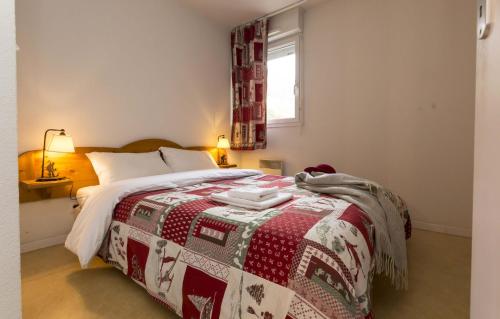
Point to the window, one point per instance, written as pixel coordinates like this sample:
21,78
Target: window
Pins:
283,85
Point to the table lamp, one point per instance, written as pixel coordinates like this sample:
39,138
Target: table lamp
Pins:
61,143
222,143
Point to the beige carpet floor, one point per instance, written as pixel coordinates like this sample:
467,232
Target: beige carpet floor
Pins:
53,285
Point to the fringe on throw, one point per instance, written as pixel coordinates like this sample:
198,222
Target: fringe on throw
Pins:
385,265
385,251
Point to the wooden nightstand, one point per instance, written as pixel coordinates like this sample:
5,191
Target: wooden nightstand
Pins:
227,165
44,189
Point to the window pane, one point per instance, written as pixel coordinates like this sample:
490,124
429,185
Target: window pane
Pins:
281,83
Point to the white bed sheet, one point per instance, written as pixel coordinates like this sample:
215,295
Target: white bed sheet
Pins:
84,193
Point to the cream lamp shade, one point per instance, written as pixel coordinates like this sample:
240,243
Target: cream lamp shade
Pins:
223,143
61,143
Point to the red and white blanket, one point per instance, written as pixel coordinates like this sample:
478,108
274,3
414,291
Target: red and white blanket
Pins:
311,257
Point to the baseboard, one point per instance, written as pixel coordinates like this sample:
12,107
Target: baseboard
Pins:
451,230
43,243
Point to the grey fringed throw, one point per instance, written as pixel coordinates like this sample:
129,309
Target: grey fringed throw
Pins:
390,245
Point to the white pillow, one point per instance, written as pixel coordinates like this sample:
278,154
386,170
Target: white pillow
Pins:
112,167
183,160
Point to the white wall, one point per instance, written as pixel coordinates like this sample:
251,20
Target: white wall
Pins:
10,303
485,286
114,71
111,72
389,95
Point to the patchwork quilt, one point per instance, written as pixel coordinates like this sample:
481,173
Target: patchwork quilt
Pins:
311,257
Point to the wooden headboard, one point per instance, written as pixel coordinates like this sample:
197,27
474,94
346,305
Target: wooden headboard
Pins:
78,167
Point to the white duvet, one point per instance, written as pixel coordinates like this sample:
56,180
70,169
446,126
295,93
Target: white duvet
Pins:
94,220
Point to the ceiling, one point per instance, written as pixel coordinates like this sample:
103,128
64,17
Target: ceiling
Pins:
231,13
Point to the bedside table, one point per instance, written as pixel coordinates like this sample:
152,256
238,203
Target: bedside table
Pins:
44,189
227,165
33,184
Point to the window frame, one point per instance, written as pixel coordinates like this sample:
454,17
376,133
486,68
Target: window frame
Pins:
278,44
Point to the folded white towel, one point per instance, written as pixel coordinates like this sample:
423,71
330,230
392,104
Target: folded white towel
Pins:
255,194
226,199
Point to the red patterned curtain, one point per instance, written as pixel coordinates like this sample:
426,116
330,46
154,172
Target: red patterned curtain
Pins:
249,84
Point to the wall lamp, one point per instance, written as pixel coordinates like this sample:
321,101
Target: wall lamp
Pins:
222,143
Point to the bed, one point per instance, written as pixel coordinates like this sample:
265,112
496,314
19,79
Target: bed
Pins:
310,257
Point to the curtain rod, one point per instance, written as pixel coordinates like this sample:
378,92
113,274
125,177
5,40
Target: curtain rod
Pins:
278,11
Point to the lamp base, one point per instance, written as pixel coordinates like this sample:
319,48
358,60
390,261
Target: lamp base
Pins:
223,160
49,179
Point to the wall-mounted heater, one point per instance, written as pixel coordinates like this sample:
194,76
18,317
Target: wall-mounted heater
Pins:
272,167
